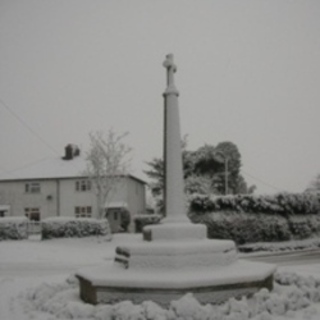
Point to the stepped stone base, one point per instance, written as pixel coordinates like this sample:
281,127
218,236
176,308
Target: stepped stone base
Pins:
175,260
113,284
176,255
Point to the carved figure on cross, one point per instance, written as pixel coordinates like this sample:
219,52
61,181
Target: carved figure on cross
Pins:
171,69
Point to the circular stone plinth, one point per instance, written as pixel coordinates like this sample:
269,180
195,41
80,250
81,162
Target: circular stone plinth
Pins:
111,284
176,255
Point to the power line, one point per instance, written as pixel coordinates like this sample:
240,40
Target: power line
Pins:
32,131
263,182
25,166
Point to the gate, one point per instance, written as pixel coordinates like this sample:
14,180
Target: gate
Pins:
34,228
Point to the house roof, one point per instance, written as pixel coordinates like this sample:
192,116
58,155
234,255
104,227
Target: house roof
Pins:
51,168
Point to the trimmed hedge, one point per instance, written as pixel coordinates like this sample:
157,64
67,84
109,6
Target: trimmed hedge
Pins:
59,227
281,204
13,228
254,218
243,227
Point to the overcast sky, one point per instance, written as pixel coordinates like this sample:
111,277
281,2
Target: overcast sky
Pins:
248,72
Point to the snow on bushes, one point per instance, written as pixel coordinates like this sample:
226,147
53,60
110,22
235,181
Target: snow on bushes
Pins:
60,227
282,203
262,218
13,228
292,294
243,227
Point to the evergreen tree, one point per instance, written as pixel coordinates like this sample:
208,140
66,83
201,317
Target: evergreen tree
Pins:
207,170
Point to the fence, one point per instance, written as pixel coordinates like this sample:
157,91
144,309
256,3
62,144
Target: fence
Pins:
34,228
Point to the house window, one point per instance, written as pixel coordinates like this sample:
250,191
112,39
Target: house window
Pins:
32,213
115,215
83,212
83,185
32,187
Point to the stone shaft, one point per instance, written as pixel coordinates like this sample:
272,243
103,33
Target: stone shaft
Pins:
174,184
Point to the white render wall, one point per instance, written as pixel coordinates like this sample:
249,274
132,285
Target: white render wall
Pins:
71,198
15,196
64,197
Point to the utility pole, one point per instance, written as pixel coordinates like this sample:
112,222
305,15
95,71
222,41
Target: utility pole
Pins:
226,189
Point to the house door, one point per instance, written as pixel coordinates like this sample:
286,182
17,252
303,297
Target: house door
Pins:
32,214
114,218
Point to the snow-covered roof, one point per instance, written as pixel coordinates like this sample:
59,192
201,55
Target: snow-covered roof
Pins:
51,168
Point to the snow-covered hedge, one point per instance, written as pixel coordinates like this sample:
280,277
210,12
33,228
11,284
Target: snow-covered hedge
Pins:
258,218
293,297
14,228
60,227
304,226
243,227
282,203
250,228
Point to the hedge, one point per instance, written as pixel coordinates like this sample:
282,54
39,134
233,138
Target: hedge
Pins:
13,228
244,228
254,218
284,204
60,227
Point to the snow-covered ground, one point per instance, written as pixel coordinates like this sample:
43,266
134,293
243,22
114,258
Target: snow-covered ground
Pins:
36,283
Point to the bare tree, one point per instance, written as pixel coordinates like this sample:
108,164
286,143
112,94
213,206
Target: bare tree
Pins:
107,163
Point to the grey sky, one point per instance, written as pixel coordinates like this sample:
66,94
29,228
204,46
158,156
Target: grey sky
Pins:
248,72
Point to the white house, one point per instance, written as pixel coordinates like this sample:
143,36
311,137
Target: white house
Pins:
57,187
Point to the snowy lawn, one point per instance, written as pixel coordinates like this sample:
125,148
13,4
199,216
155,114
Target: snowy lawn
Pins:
36,283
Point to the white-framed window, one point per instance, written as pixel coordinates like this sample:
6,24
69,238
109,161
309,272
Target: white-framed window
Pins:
83,185
83,212
32,187
32,213
4,210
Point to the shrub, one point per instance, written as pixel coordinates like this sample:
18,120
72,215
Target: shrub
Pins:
283,203
125,219
243,227
146,219
13,228
258,218
59,227
304,226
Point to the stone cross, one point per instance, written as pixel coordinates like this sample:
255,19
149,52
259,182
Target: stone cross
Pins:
171,69
174,185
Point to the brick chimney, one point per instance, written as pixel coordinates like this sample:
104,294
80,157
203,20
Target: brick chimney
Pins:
71,151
